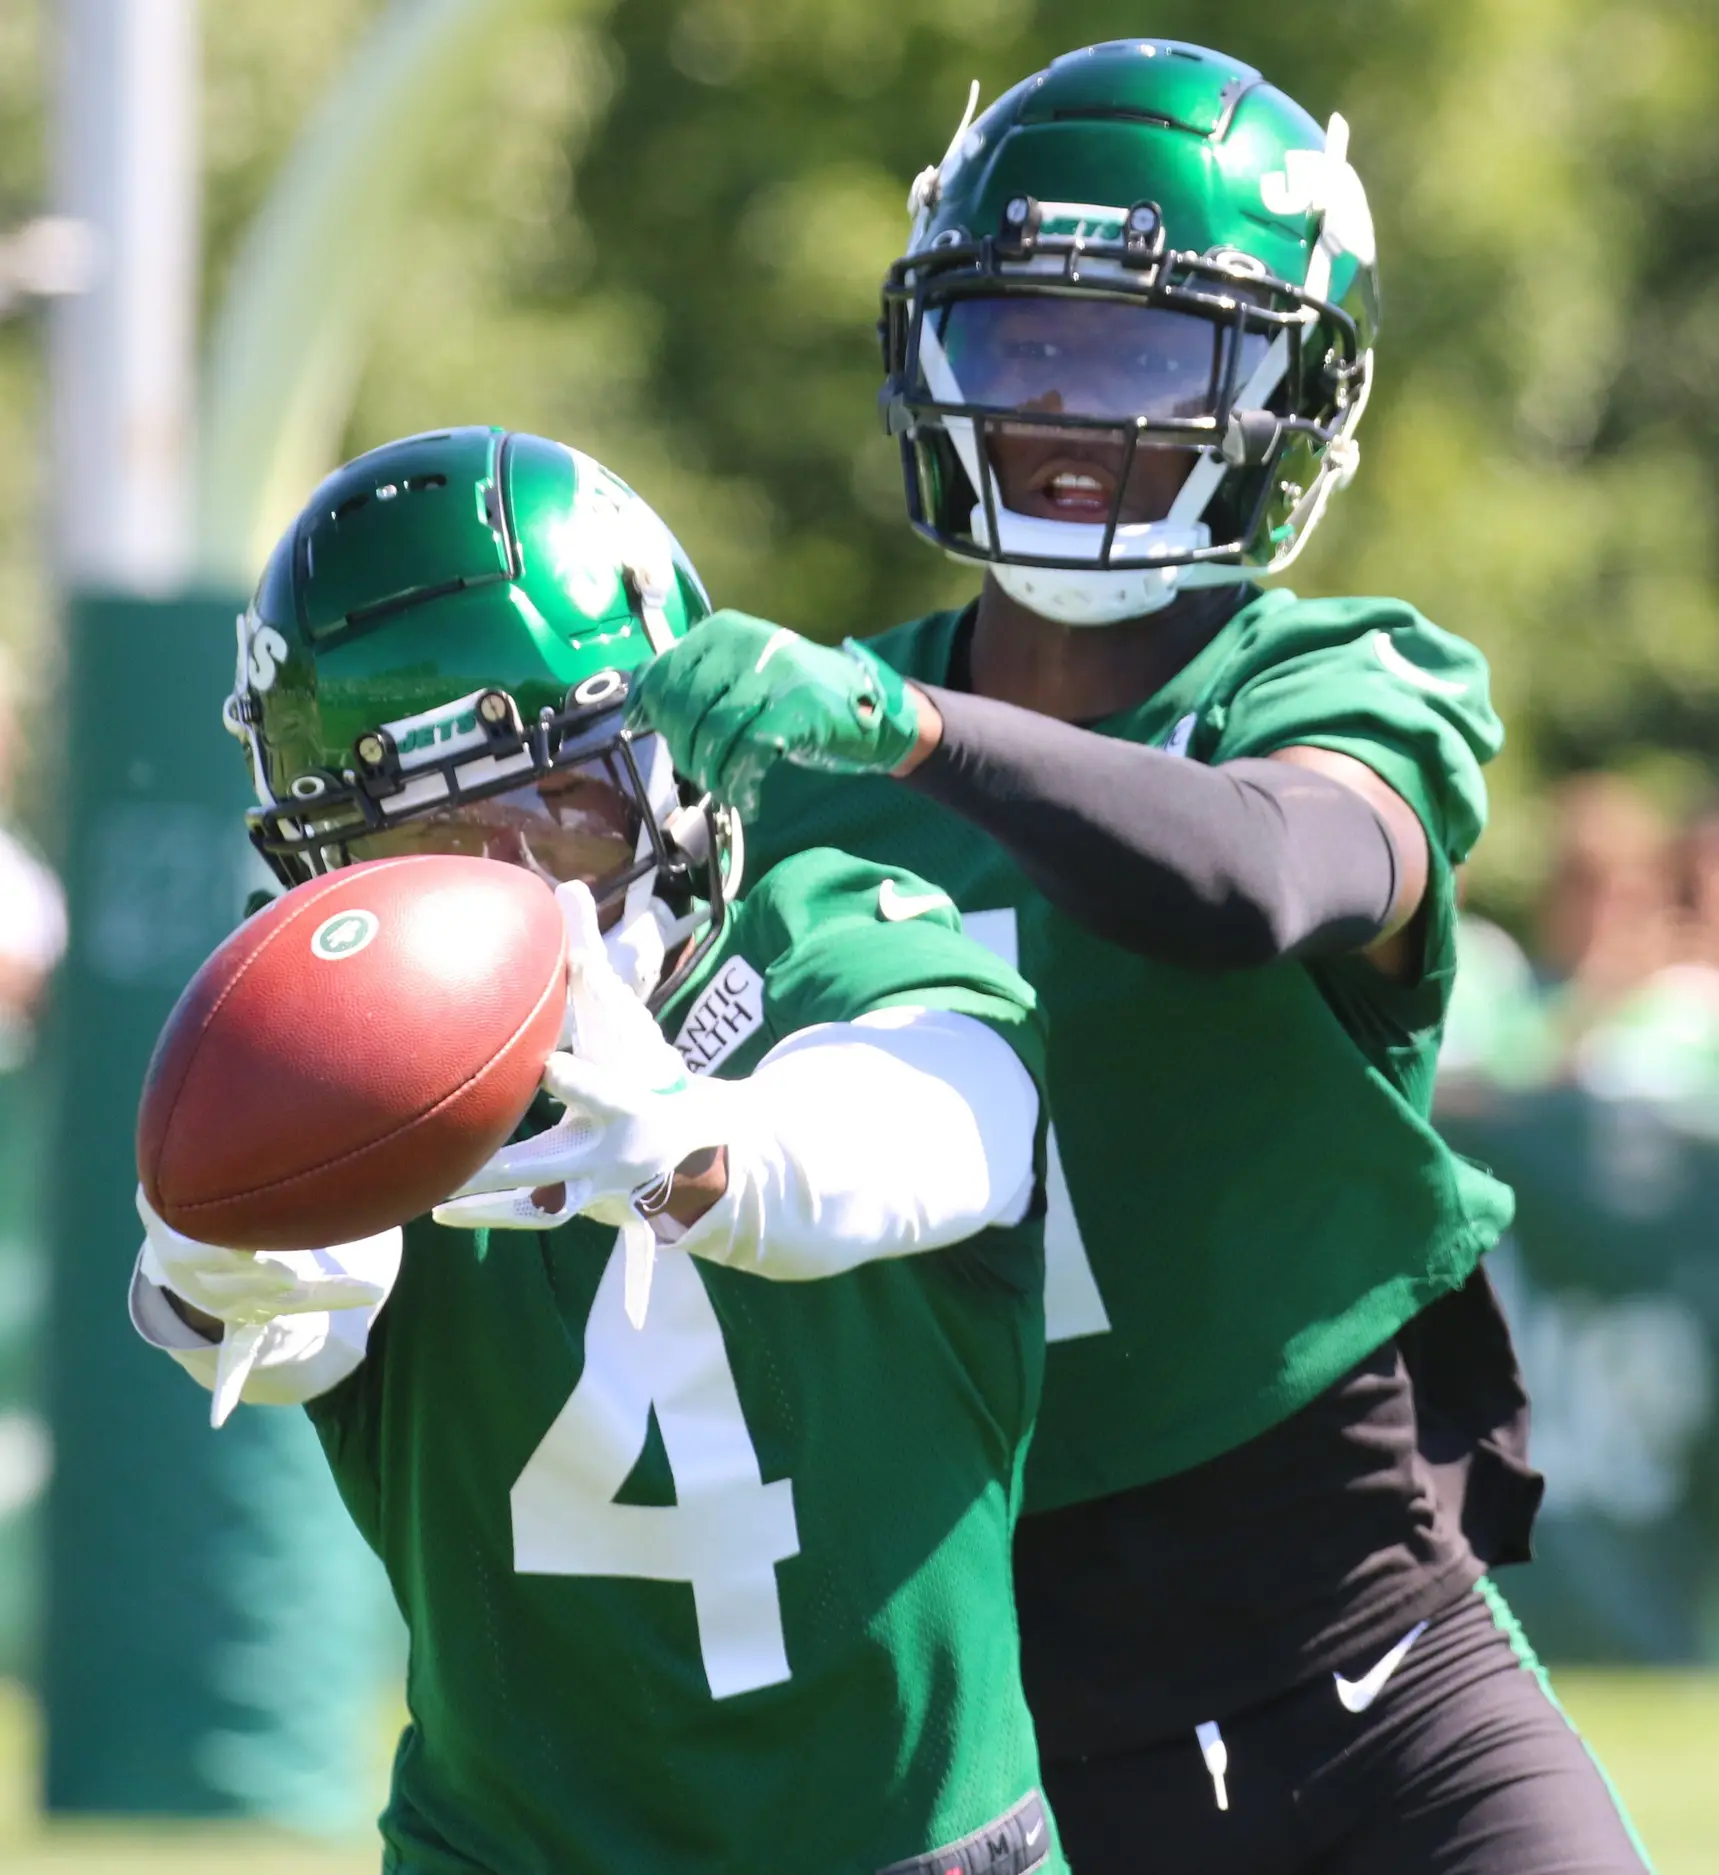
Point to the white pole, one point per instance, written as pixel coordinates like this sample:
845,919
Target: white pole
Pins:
122,354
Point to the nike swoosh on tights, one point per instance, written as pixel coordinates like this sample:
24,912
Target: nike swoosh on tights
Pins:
897,906
1358,1695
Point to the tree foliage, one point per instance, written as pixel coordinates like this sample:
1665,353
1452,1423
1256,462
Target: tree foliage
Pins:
659,229
1542,454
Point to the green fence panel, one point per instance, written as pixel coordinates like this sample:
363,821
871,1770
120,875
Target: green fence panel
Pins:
1611,1281
213,1627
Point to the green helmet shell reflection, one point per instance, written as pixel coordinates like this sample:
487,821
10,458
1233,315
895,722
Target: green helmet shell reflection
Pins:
1143,172
453,616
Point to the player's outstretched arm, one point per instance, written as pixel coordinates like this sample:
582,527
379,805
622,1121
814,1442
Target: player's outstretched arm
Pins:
908,1129
1221,867
903,1131
1302,853
275,1328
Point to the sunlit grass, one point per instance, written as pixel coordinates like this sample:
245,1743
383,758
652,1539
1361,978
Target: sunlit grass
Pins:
1658,1736
1657,1733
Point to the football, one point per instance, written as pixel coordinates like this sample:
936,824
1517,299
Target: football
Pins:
353,1053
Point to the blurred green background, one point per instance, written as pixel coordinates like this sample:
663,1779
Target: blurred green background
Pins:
656,228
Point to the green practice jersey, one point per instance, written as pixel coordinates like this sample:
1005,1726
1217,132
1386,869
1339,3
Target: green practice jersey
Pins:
1245,1193
729,1594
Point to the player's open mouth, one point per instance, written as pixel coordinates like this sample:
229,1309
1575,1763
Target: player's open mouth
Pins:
1081,491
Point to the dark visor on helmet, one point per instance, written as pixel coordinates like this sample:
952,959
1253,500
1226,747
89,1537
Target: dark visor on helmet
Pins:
582,822
566,797
1091,358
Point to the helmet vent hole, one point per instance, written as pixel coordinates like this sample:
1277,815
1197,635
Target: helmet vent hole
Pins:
1114,113
413,482
350,505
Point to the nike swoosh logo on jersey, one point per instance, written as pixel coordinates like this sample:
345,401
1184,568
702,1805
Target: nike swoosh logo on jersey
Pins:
778,638
1183,734
1037,1830
1358,1695
897,906
1411,673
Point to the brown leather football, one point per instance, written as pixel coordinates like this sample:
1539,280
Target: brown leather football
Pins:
353,1053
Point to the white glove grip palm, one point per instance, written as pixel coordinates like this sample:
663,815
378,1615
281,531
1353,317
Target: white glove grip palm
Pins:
625,1129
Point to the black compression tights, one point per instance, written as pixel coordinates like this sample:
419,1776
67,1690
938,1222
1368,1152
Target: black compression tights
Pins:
1463,1765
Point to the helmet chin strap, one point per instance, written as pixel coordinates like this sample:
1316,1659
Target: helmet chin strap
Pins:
638,943
648,931
1100,595
1066,597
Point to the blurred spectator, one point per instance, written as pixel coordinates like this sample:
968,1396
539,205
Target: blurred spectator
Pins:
1608,916
1608,925
32,905
1661,1041
1496,1033
1698,883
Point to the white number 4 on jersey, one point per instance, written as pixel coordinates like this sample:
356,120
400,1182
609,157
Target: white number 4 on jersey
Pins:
727,1529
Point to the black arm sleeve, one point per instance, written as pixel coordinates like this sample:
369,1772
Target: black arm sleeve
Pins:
1213,868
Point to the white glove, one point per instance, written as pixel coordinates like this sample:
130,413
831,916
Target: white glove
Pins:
624,1132
606,1019
633,1113
246,1290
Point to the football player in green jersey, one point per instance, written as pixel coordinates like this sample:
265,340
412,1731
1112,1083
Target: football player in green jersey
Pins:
709,1572
1282,1441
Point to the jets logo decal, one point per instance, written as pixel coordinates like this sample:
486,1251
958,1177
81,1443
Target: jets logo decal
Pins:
344,935
265,654
1324,183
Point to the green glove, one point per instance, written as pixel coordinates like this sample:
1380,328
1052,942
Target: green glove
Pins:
737,695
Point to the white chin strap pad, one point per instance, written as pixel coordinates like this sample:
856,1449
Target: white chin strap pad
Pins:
1068,597
1132,585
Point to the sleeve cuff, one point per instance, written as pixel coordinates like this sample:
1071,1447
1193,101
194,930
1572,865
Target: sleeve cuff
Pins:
153,1316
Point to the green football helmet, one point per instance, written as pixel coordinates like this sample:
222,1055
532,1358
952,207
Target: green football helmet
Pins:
437,660
1139,301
